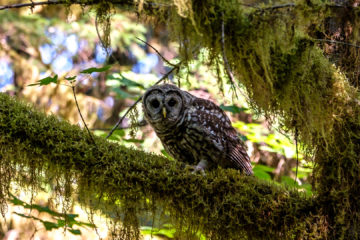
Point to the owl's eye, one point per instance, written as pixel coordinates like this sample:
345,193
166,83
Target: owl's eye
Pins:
155,103
172,102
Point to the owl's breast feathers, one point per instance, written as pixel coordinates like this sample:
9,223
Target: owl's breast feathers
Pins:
220,140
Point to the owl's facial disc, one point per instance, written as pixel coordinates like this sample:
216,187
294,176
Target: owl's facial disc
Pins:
154,104
173,105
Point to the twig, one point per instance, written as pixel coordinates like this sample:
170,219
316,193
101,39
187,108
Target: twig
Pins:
54,2
162,57
336,42
139,99
297,153
78,108
140,124
286,5
33,4
100,39
226,62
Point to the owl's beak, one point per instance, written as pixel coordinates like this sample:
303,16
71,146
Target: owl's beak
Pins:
164,112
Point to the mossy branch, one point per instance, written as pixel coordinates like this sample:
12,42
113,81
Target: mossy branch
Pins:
223,205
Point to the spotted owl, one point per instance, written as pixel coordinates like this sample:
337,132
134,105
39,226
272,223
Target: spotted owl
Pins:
194,130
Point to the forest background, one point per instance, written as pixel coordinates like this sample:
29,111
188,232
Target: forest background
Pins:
48,51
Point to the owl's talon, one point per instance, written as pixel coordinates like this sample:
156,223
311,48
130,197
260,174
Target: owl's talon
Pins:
200,167
199,170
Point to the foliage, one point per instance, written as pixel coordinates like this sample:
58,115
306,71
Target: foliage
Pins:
62,220
45,81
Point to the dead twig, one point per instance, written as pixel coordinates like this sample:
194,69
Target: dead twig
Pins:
162,57
226,62
336,42
82,118
297,153
33,4
100,39
55,2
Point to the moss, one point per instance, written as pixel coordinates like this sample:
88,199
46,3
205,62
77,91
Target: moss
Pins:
127,183
289,78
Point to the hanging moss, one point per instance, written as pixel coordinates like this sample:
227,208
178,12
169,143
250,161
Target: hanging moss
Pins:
222,205
287,76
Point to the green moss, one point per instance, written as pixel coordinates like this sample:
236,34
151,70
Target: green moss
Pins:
126,183
288,78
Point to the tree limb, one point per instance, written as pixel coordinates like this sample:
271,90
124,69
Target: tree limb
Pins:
223,204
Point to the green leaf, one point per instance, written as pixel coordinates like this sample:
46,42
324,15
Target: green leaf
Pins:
23,215
45,81
166,154
42,209
167,232
289,181
50,225
70,79
75,231
122,94
117,79
93,69
261,174
307,187
233,108
16,201
85,224
263,168
61,223
133,140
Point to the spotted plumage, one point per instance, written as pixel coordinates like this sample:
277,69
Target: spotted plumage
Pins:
194,130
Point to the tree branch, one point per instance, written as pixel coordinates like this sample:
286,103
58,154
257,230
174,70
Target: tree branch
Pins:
43,148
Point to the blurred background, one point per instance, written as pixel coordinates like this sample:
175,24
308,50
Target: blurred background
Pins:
39,42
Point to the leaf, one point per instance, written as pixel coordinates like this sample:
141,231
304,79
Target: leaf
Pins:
261,174
122,94
42,209
117,79
75,231
307,187
16,201
166,154
93,69
133,140
263,168
45,81
50,225
289,181
61,223
167,232
85,224
71,79
22,215
233,108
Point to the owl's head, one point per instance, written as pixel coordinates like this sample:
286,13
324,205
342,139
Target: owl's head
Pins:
163,105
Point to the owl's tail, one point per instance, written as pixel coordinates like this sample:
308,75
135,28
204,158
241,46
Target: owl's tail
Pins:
241,159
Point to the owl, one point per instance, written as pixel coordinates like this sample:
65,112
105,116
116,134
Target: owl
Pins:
194,130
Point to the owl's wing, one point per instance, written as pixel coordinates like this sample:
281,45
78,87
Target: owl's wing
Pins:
216,126
237,153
